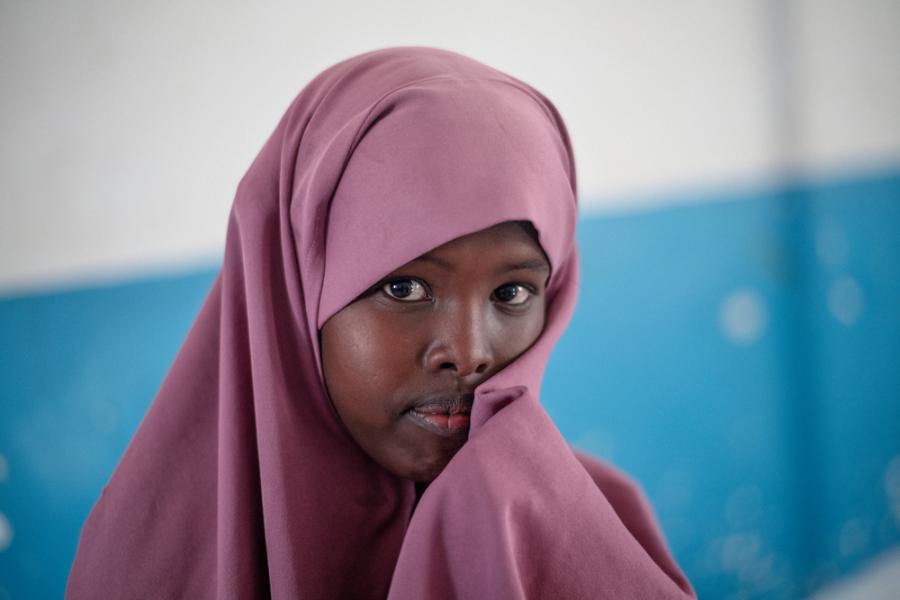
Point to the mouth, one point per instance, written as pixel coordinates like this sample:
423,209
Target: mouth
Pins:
447,416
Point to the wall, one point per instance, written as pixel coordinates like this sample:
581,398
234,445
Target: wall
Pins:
738,167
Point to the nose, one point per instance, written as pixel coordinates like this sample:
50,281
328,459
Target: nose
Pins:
462,344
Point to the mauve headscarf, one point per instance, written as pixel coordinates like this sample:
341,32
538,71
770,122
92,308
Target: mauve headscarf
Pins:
241,481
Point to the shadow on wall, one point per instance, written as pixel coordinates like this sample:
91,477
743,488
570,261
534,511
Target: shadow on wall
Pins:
739,358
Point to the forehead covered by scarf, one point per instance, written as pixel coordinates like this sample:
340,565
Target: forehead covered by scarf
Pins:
439,158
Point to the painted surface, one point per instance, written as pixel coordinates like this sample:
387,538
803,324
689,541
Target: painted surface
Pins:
127,125
740,357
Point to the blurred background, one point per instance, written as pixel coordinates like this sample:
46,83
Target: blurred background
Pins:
737,343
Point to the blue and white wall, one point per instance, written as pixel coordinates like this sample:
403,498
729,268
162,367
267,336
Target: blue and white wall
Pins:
737,343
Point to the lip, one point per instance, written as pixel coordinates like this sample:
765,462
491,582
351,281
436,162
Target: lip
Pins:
446,415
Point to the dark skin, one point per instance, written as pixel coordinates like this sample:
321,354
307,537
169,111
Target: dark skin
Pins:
402,360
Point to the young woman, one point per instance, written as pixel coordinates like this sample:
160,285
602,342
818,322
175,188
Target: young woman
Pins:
354,413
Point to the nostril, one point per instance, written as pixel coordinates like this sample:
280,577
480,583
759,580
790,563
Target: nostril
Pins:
481,368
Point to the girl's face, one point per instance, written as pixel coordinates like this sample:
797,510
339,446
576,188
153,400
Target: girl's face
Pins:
402,360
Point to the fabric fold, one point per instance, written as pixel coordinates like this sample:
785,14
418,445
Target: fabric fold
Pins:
242,482
518,514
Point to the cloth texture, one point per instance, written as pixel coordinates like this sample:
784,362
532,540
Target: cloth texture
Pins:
241,481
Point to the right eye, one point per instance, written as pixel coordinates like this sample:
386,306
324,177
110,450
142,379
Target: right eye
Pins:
405,290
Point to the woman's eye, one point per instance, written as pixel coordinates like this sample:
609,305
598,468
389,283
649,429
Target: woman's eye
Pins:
406,290
512,293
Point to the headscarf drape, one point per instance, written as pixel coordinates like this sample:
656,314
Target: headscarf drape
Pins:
241,480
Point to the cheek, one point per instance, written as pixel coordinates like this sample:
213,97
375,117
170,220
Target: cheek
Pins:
364,360
514,335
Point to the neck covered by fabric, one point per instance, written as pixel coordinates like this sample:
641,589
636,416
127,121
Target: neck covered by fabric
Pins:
241,480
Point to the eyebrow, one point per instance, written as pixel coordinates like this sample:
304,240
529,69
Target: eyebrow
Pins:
533,264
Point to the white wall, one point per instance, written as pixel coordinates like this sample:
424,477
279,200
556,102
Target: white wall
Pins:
126,125
847,82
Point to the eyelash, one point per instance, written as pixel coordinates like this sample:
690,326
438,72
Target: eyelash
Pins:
415,282
385,286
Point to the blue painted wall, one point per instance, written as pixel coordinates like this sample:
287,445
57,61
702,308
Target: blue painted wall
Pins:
740,357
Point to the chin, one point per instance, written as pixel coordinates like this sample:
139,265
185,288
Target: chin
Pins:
427,474
426,469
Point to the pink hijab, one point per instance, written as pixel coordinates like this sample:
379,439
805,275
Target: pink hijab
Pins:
241,480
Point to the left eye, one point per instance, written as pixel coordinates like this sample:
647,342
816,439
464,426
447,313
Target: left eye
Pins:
512,293
405,290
